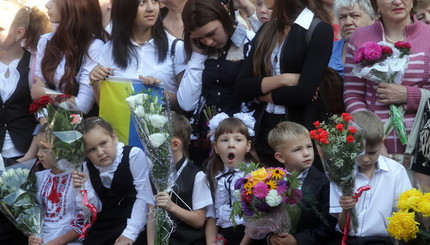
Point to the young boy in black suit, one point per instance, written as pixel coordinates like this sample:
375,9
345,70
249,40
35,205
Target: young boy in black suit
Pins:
293,147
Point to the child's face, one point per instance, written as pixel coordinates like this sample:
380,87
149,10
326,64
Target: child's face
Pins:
232,148
369,158
100,146
263,13
297,155
44,153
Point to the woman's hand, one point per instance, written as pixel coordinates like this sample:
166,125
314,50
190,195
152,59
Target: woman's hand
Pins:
282,239
32,240
163,200
37,89
78,179
347,202
122,240
100,73
148,80
389,93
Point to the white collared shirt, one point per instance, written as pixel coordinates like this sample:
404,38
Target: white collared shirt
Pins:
147,63
377,204
85,98
139,168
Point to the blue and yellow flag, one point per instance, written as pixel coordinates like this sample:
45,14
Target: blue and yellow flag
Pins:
115,110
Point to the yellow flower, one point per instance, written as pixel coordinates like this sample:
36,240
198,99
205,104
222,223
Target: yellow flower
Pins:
409,199
424,205
259,174
277,173
248,186
271,184
402,226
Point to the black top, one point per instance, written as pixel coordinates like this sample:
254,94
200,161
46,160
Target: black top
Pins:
297,56
14,113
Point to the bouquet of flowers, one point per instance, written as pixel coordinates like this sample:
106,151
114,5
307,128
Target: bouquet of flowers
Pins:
383,62
268,201
67,141
19,202
151,116
339,142
407,224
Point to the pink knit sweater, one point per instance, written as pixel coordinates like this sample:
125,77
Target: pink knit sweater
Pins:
360,94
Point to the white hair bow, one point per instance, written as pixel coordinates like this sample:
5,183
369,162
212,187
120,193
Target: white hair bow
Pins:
248,120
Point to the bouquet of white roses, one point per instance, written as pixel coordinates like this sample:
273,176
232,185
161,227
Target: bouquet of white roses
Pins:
19,202
151,116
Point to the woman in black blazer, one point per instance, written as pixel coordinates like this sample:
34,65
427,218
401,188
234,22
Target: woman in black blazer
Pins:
287,62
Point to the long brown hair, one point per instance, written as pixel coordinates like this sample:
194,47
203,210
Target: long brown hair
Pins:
198,13
283,14
81,23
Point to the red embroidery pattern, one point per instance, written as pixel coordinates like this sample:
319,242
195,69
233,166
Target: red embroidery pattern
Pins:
54,204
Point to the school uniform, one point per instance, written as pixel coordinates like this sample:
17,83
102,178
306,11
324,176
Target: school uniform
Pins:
377,204
190,192
122,192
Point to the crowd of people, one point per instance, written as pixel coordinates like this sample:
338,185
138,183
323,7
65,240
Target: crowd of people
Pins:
269,68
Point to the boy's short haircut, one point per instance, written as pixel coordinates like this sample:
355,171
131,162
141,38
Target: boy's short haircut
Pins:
181,129
285,132
372,127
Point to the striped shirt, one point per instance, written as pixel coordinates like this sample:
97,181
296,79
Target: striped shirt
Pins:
360,94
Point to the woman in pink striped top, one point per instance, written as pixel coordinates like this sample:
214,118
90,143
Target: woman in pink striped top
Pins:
395,24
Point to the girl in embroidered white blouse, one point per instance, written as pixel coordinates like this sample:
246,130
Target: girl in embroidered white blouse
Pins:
63,218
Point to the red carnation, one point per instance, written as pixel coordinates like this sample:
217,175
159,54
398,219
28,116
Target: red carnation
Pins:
340,127
350,139
313,133
402,44
316,124
352,129
387,50
346,117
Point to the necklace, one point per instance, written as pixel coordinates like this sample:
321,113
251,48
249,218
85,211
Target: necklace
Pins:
391,41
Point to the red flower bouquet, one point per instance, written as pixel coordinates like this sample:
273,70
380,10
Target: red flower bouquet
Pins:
339,141
382,62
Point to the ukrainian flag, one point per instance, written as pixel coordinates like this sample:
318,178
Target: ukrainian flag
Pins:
115,110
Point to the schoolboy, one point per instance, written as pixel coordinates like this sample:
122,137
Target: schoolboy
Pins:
387,179
191,194
293,147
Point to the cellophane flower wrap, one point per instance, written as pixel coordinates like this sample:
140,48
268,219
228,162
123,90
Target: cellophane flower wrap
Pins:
407,225
339,141
19,200
269,200
67,142
151,116
383,62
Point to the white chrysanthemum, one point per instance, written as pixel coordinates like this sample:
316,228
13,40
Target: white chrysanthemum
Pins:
157,139
273,199
140,111
157,121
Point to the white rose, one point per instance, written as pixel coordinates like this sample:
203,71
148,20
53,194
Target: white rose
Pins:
157,121
140,98
157,139
136,99
131,100
140,111
273,199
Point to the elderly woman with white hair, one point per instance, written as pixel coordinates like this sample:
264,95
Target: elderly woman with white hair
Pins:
350,14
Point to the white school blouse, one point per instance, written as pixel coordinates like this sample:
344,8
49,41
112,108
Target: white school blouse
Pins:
139,168
85,98
375,205
147,63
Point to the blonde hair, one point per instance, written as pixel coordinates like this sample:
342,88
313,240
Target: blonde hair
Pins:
285,132
372,127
